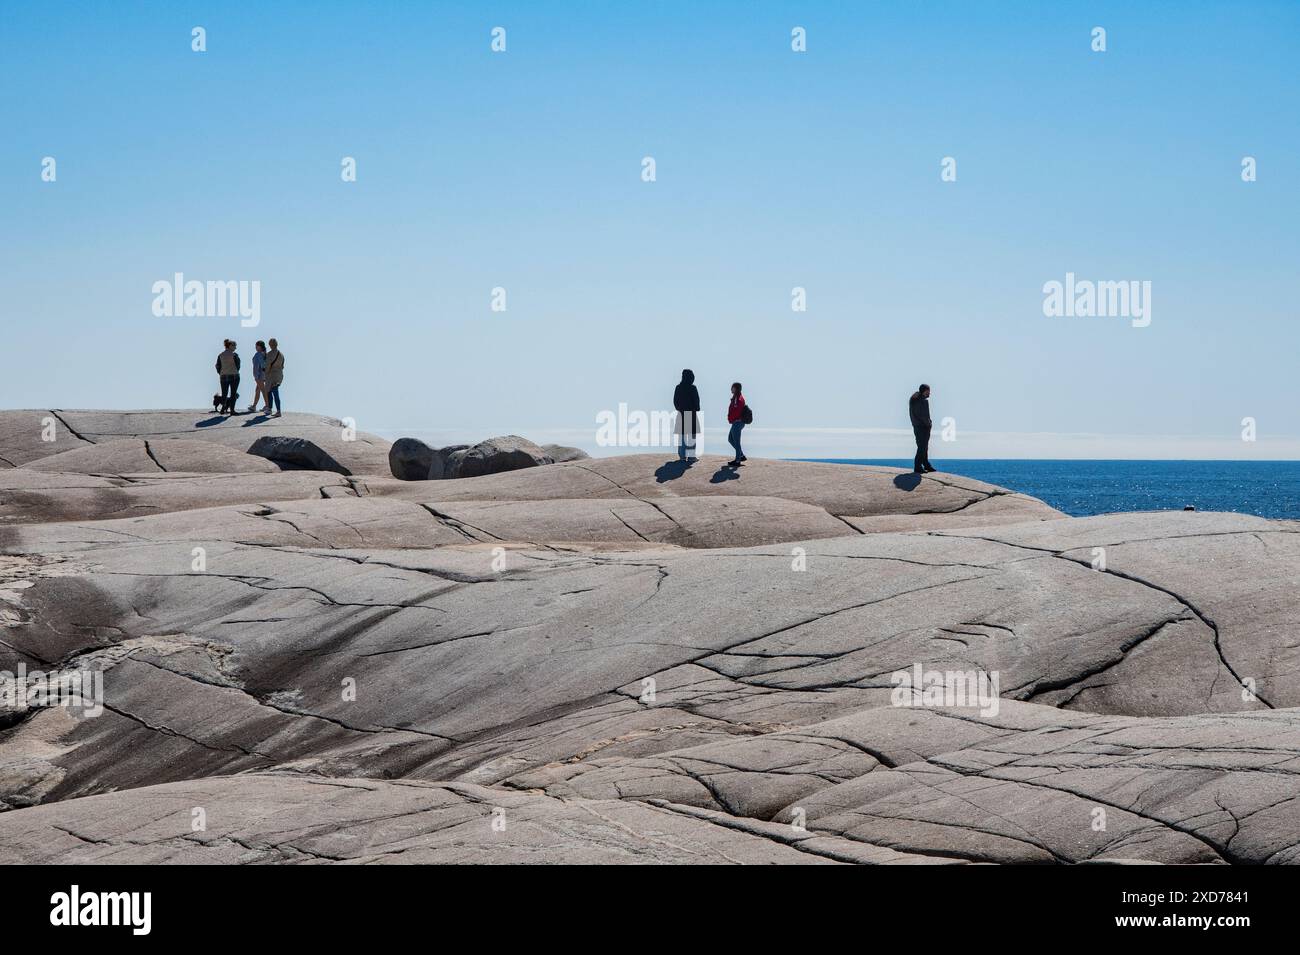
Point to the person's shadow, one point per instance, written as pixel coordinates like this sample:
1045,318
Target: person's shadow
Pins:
209,422
672,470
258,420
907,482
725,473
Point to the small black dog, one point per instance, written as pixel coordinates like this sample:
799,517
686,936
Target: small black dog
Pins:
224,405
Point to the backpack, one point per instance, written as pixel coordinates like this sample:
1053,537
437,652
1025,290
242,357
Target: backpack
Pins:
747,414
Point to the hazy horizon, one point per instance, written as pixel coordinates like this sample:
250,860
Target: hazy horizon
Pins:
897,444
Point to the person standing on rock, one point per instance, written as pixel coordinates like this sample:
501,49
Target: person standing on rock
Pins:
918,408
228,370
259,376
274,377
736,415
686,399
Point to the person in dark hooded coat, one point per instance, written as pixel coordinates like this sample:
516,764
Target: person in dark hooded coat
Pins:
686,400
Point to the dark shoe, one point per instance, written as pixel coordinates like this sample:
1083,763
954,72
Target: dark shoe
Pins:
742,458
732,464
918,470
928,469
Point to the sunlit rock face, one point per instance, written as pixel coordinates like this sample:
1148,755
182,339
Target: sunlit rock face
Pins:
622,660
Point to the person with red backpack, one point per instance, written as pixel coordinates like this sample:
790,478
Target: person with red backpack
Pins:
738,415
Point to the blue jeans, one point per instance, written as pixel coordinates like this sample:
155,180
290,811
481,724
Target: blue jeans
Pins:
733,437
273,398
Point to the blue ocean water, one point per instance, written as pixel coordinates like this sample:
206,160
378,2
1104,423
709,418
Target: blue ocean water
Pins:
1083,488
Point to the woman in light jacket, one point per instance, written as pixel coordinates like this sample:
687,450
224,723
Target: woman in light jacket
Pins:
259,376
274,377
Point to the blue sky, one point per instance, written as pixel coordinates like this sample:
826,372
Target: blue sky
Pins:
775,169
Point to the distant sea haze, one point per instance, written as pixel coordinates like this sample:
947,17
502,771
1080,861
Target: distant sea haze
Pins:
1084,488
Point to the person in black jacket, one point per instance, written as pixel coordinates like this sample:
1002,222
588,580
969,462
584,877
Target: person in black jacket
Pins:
918,407
686,400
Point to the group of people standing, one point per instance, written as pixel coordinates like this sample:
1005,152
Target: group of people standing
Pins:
686,401
268,373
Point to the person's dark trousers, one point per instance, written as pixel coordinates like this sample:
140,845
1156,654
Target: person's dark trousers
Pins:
686,447
273,399
922,449
229,385
733,438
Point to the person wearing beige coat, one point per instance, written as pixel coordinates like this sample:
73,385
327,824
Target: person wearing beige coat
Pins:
274,376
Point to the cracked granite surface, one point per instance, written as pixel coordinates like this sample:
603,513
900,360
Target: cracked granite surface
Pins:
609,661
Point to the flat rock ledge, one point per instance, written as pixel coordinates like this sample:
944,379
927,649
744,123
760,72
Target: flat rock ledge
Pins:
622,660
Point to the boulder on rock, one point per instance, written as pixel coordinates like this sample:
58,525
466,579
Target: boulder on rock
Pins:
495,455
442,458
410,459
560,452
296,454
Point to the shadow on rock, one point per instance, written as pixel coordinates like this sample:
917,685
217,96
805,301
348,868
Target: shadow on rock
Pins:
296,454
907,482
672,470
